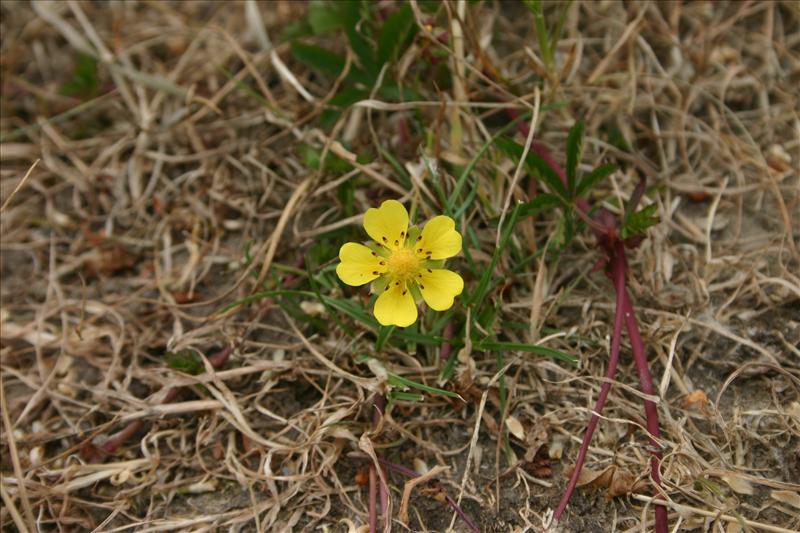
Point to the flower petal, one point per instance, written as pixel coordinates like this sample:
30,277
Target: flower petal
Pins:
439,287
439,239
395,306
388,224
359,265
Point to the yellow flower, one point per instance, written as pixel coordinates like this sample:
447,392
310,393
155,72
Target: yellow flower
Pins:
405,265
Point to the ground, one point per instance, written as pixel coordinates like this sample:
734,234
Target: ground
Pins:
177,178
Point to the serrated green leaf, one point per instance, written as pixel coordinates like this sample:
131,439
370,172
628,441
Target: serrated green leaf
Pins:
574,148
589,180
534,162
638,222
395,34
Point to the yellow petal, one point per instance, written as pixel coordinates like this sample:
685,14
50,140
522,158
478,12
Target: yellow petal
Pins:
439,239
439,287
395,306
388,224
359,265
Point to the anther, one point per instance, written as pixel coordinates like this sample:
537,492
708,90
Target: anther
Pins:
429,271
375,272
382,263
422,287
404,293
385,239
396,242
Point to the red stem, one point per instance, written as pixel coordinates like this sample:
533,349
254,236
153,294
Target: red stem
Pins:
618,275
651,413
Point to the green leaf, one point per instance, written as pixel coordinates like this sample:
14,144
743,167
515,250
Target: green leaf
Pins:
399,381
383,337
324,16
574,148
542,34
538,204
534,162
591,179
617,139
522,347
395,34
187,361
318,58
405,396
84,78
449,368
356,16
638,222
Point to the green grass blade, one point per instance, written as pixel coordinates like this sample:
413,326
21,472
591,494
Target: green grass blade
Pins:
399,381
522,347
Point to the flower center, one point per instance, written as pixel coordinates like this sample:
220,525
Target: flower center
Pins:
402,264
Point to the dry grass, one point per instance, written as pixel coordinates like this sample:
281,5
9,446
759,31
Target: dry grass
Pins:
128,238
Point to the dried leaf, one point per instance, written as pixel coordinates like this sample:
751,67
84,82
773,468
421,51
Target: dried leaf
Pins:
614,479
789,497
740,485
696,400
515,427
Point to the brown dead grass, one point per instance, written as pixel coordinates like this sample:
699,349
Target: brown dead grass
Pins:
127,237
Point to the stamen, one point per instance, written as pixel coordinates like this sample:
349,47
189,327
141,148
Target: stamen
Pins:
429,271
404,293
375,272
396,242
421,286
385,239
